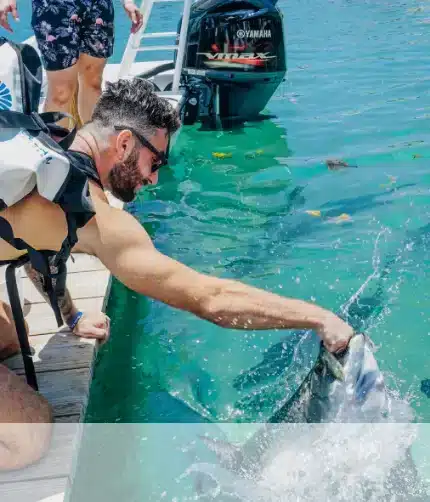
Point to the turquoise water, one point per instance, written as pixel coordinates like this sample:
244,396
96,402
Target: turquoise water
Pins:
357,89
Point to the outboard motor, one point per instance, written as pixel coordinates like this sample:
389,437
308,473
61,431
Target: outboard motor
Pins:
234,60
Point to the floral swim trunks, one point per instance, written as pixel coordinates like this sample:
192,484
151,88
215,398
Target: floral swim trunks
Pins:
66,28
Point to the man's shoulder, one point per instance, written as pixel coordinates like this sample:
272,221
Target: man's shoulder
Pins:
103,197
113,201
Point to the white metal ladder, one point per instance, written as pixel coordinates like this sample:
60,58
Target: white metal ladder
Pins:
134,42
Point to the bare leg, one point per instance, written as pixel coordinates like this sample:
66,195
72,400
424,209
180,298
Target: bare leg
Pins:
9,344
61,86
90,84
25,422
74,110
25,416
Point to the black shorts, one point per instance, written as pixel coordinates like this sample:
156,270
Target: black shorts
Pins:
66,28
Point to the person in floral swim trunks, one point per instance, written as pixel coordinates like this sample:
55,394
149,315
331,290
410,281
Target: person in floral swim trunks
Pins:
75,38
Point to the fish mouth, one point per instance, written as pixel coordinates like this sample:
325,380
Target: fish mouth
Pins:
335,362
356,344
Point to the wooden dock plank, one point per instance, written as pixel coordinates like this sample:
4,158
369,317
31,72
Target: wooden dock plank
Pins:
81,285
40,316
67,391
68,419
56,463
33,491
79,262
56,352
84,263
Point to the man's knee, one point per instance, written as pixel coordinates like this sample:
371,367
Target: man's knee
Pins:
61,95
25,423
91,72
61,86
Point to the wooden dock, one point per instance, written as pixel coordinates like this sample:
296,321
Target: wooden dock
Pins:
64,367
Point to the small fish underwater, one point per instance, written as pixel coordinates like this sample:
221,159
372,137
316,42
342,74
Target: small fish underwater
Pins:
343,436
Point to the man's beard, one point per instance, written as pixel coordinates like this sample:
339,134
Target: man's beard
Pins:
125,177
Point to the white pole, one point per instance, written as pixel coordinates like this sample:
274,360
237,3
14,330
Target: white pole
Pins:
181,47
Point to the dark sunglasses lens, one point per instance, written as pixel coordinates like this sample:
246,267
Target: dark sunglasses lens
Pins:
159,163
156,166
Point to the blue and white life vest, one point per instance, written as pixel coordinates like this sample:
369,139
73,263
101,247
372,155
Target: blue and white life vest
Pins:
32,160
29,157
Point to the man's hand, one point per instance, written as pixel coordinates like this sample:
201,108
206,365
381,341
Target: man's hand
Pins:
88,325
93,325
335,334
133,12
8,7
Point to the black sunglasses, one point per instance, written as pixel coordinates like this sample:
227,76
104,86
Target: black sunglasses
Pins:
162,158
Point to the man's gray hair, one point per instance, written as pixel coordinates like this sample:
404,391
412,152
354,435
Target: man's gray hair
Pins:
133,103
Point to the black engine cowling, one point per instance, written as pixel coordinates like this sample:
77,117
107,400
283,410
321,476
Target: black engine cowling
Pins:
234,59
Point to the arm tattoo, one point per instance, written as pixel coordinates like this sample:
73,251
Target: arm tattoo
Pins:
65,302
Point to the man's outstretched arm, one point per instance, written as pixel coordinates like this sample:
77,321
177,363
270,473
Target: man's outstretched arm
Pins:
123,245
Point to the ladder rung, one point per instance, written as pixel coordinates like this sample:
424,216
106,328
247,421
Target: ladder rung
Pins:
160,34
158,48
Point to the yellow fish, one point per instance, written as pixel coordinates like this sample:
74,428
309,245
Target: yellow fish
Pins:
313,212
221,155
342,217
252,155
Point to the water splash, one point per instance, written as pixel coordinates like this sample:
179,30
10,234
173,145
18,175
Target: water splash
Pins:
331,462
376,274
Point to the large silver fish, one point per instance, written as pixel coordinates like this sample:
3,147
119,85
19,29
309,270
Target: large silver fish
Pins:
342,437
345,388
